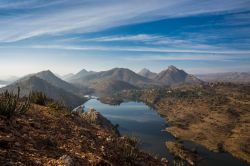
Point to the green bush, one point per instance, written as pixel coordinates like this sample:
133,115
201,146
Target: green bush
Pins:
10,104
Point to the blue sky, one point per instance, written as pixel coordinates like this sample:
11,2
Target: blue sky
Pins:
66,36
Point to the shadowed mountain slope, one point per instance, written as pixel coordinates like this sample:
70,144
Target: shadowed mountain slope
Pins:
111,86
53,80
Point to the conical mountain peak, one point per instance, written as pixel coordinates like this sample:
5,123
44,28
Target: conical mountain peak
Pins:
147,73
172,76
173,68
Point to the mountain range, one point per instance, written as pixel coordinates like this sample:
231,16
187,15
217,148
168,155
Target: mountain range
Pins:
75,86
118,79
113,80
236,77
120,74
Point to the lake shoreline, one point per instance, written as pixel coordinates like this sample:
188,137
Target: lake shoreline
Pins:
209,155
193,114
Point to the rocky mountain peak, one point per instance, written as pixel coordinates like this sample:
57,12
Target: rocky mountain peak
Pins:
82,71
144,70
174,76
173,68
147,73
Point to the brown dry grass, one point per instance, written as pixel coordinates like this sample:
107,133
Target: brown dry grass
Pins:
43,135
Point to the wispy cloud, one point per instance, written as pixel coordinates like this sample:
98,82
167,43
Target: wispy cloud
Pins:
142,49
143,43
31,4
138,37
89,16
143,38
158,40
181,57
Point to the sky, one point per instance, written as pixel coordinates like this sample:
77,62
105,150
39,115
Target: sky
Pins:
65,36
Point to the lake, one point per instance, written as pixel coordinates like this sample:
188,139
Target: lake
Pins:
138,120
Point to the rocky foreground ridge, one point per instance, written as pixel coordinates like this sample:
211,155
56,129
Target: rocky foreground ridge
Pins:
46,135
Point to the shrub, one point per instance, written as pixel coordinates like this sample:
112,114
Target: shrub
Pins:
55,105
38,98
128,148
178,162
10,104
220,147
90,116
41,98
